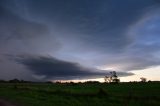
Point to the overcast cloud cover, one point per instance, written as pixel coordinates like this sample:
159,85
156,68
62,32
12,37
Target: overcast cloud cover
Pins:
70,39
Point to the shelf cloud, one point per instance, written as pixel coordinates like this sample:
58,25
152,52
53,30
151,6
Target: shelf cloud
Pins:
79,37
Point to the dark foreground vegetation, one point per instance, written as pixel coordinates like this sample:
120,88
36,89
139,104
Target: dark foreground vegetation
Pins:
82,94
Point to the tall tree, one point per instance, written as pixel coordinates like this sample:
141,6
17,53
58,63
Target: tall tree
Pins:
112,77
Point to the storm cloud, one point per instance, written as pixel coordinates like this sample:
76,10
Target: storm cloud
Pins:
52,68
101,25
18,35
84,38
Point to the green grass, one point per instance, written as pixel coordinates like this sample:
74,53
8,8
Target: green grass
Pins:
123,94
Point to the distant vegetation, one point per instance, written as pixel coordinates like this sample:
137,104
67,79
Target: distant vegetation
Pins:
112,78
91,93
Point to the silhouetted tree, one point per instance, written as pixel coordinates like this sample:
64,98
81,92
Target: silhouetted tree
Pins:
107,79
112,78
143,79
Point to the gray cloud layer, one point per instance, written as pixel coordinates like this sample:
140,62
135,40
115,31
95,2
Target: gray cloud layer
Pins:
18,35
101,25
123,34
53,68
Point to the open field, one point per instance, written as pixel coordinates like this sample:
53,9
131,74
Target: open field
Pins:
88,94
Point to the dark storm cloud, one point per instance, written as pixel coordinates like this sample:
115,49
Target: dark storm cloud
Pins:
21,35
13,26
89,32
102,25
58,69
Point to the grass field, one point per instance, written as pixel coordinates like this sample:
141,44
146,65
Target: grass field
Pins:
88,94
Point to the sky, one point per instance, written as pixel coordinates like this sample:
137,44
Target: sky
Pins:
79,39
